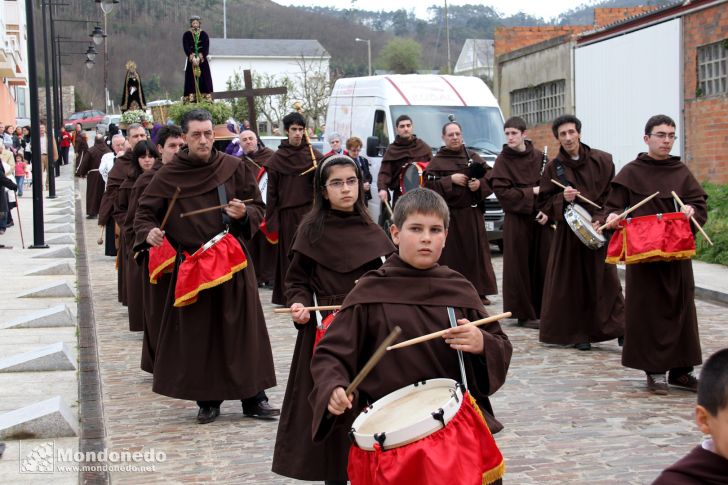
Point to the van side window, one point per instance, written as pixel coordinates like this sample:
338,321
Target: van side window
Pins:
380,129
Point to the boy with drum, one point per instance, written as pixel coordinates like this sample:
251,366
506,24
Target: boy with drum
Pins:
413,292
582,296
661,330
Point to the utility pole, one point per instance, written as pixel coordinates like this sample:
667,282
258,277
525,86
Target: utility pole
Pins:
447,40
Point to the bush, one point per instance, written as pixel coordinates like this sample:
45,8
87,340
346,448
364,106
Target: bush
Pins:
220,112
716,227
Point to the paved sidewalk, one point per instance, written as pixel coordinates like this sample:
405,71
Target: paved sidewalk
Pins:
570,417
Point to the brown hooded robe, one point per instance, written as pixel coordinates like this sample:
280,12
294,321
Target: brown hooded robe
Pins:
262,252
399,153
94,182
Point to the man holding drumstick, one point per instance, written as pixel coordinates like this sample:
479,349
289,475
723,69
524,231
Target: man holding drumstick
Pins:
582,297
661,328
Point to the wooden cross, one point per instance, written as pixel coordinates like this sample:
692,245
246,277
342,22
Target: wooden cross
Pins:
249,93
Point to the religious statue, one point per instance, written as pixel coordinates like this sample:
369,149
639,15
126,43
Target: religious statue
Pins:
198,80
133,97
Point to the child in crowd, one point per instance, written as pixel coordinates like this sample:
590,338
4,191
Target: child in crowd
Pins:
708,462
413,292
336,243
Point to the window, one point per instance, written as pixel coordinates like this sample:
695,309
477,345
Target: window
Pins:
539,104
713,69
21,103
379,129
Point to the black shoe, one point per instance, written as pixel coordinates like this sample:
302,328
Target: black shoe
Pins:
91,217
620,341
685,381
10,224
657,384
261,410
583,346
522,322
207,414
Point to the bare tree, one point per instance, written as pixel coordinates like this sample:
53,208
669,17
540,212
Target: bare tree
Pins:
313,88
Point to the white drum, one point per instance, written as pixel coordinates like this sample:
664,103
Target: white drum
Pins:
263,185
408,414
579,220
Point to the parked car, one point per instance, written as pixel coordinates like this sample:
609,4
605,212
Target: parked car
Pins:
88,119
103,127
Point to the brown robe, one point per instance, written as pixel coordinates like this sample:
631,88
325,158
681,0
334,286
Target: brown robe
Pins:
94,182
108,215
416,300
217,348
329,269
582,298
128,266
399,153
80,148
699,467
290,196
526,243
467,250
661,324
154,297
262,252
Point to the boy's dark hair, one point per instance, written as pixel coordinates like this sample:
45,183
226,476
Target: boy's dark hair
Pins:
293,119
166,132
194,115
421,201
515,122
713,384
402,118
658,120
354,142
562,120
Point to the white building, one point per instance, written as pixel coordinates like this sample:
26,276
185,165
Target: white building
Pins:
476,58
13,62
273,59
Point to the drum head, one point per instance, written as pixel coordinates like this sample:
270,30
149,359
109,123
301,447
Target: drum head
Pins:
406,411
263,186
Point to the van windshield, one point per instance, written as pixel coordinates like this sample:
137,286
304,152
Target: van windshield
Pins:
482,126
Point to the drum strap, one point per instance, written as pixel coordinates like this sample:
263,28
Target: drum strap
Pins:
222,195
561,174
453,324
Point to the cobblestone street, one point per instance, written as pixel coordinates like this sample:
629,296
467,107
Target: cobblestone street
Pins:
570,416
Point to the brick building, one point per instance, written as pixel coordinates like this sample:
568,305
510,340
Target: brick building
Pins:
672,60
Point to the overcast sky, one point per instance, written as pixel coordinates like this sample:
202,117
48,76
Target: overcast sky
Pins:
547,9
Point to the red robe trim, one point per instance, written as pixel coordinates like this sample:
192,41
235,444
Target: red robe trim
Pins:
207,268
270,236
657,237
462,452
161,260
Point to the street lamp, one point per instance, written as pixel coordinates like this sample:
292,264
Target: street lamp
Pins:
97,35
91,53
369,51
106,6
89,63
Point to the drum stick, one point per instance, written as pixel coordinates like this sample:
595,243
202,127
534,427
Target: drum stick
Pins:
634,207
373,360
581,197
389,209
440,333
169,209
692,218
208,209
299,108
100,240
309,308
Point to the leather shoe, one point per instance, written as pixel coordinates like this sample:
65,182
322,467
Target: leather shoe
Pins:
685,381
486,301
522,322
261,410
657,384
620,341
207,414
583,346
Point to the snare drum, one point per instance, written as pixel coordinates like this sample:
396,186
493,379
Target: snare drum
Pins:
411,176
430,433
656,237
579,220
213,264
263,183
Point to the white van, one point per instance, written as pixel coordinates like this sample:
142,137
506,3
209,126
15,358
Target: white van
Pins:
367,107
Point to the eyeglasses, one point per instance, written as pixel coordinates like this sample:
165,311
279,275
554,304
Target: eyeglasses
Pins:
339,184
662,135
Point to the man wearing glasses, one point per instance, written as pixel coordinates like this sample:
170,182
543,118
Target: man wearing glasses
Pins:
213,343
661,331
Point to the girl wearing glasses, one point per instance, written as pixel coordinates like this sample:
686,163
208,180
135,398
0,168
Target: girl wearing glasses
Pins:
335,244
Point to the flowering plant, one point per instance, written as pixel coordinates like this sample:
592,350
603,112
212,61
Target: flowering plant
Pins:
135,116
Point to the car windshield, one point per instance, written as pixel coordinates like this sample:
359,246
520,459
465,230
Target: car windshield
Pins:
76,116
482,126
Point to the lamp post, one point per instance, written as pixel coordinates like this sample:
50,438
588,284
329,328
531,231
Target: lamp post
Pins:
49,111
106,6
369,52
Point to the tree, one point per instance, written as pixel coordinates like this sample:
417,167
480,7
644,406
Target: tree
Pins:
313,88
401,56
